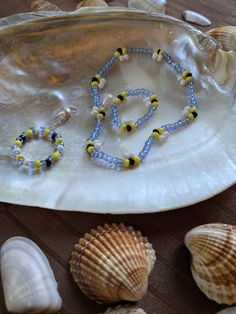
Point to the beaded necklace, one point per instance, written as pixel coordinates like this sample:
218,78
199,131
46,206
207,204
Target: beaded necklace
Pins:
159,134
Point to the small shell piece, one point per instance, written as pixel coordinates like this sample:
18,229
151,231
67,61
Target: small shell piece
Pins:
226,35
29,284
153,6
228,310
42,5
125,309
112,263
92,3
213,248
196,18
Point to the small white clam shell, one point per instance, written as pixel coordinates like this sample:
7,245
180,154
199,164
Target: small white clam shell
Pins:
196,18
154,6
28,281
228,310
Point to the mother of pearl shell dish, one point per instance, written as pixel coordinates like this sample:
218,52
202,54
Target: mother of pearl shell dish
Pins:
47,61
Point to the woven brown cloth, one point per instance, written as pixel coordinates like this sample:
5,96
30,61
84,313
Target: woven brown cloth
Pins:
171,289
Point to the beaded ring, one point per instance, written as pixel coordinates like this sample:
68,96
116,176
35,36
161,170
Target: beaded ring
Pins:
131,126
34,133
159,134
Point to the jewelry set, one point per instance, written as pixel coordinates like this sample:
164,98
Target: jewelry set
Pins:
93,147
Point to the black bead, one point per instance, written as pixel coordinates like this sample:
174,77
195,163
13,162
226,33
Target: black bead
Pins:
194,114
23,138
119,50
103,113
131,161
153,100
53,136
128,128
158,51
155,130
95,79
189,75
120,97
48,162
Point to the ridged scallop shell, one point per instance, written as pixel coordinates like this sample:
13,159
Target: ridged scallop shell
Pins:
153,6
125,309
213,248
29,284
41,5
92,3
112,263
226,35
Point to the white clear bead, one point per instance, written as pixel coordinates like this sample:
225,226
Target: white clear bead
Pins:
154,56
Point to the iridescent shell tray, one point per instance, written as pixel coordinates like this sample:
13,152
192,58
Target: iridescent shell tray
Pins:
47,62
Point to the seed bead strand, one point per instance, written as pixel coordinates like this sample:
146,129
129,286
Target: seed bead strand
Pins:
160,134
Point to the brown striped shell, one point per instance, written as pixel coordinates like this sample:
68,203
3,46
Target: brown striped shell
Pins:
42,5
125,309
92,3
226,35
112,263
213,248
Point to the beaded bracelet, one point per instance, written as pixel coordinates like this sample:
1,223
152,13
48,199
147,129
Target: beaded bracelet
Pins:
159,134
35,133
130,126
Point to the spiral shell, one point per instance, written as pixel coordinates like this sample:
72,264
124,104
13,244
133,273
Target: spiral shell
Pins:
29,284
42,5
213,248
112,263
153,6
125,309
226,35
91,3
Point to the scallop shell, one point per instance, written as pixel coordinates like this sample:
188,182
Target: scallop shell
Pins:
112,263
41,5
226,35
92,3
28,282
153,6
213,248
125,309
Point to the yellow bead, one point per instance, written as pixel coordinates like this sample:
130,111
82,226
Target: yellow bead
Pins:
117,100
189,78
161,52
46,132
29,133
193,109
126,163
56,156
123,94
18,143
124,50
190,116
155,50
90,149
160,130
153,97
59,140
100,116
133,126
123,127
89,142
98,76
117,54
137,160
37,164
184,74
94,83
156,104
155,135
19,156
